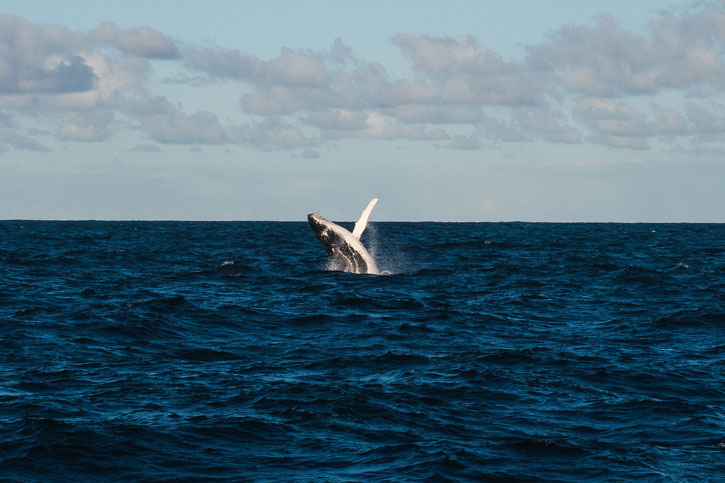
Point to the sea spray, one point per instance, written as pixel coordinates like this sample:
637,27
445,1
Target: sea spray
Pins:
388,256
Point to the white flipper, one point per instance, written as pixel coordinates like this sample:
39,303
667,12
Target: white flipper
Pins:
363,221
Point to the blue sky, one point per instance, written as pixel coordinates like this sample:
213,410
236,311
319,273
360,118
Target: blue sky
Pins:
465,111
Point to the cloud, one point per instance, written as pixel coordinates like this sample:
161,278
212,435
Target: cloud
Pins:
49,67
618,125
167,124
7,120
615,141
375,125
337,119
704,120
437,113
308,154
463,143
91,126
546,125
380,127
606,61
668,122
292,67
140,41
594,83
271,134
498,128
41,59
201,127
18,141
612,118
280,100
462,70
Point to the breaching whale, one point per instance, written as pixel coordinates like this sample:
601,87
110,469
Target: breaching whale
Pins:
345,248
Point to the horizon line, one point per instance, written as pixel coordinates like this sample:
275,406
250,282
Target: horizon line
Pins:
172,220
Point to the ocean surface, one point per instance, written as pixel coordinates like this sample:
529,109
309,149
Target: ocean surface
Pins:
204,351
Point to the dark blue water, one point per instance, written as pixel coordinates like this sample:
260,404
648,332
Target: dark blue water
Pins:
492,351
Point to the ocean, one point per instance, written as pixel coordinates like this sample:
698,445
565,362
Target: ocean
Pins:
227,351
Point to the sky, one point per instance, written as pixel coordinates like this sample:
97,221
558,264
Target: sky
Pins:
532,110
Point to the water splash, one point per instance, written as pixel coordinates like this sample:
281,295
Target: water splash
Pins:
388,258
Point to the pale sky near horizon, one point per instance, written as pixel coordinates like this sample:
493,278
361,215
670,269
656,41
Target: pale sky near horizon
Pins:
536,110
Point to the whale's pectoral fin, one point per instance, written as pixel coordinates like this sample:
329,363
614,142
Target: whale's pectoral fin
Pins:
363,221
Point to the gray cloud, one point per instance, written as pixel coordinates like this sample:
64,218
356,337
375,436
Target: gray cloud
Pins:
140,41
378,126
91,126
612,118
668,122
7,120
18,141
271,134
618,125
281,100
337,119
177,127
614,141
41,59
606,61
437,113
501,129
704,120
546,125
292,67
462,70
166,123
463,143
308,154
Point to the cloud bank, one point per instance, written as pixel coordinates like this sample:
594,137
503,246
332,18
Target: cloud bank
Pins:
586,84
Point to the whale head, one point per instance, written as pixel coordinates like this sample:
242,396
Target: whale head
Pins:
321,226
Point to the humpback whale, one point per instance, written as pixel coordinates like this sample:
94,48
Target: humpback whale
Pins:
345,248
